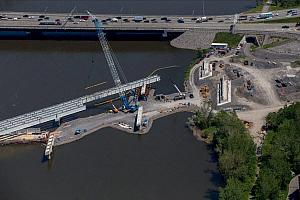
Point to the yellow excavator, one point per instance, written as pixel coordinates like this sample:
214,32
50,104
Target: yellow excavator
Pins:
114,110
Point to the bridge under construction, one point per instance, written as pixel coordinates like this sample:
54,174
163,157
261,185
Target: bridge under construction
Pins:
58,111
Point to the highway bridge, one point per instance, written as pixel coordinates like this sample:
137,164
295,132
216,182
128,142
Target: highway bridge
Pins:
56,112
17,21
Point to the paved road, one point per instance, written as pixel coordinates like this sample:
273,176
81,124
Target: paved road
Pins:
17,20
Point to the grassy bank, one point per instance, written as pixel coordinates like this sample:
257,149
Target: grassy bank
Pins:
256,9
199,56
276,43
225,37
235,150
282,5
295,64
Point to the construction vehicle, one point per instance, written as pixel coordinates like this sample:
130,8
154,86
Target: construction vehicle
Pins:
247,124
181,95
204,91
113,64
249,85
114,110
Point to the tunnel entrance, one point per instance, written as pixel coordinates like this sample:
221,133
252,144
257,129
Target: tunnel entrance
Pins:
252,39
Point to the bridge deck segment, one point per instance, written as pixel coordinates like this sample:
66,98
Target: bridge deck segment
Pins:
66,108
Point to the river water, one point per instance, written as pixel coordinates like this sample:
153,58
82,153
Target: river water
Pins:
168,163
133,7
110,164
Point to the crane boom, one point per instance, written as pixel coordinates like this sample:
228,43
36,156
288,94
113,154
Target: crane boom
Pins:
70,15
111,59
106,50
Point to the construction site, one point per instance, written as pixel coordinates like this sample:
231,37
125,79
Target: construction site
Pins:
230,79
139,107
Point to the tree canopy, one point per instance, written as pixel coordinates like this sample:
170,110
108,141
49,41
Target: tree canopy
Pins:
280,153
235,149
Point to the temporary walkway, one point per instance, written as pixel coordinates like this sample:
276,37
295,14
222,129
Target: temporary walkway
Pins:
58,111
49,146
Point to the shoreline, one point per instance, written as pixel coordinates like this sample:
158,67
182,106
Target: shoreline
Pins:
152,115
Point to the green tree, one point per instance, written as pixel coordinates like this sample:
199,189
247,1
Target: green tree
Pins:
232,191
268,185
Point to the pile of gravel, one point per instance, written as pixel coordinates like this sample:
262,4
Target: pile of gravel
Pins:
194,39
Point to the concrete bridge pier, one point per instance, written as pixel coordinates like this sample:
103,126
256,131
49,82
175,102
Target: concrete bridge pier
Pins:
57,121
165,34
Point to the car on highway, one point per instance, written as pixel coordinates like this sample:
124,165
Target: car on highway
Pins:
220,21
25,16
194,18
146,21
180,20
298,24
126,20
153,20
285,26
138,19
168,20
163,18
114,20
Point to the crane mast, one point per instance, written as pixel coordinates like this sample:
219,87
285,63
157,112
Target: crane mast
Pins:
111,61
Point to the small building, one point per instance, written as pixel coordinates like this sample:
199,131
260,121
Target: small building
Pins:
219,45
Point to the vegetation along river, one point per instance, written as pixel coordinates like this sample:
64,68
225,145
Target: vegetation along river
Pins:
168,163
